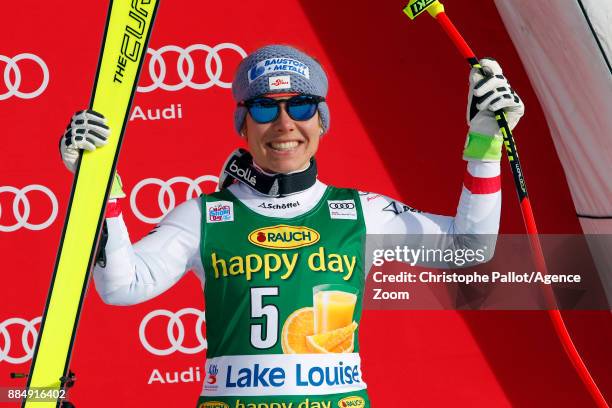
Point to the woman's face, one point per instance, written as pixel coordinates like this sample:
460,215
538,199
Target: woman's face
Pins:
284,145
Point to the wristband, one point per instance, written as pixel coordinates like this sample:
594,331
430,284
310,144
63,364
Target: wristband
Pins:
482,147
113,209
116,189
481,185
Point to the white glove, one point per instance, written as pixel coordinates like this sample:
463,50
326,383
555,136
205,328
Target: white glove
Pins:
87,130
489,94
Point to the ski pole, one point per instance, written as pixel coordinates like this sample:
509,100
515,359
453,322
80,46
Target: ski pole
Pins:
436,10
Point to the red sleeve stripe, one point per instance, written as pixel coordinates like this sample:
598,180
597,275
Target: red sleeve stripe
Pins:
482,185
113,209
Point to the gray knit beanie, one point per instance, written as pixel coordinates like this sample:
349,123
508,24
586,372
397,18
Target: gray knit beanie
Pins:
278,69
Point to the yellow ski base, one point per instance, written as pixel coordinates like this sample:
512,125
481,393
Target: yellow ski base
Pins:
128,28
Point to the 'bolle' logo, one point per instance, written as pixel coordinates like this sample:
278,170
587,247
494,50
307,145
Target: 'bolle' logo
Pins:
355,402
213,404
284,237
243,174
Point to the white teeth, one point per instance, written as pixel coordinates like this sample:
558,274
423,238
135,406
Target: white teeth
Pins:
284,145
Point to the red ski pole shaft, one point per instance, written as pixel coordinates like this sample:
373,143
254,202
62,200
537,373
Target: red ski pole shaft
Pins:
528,218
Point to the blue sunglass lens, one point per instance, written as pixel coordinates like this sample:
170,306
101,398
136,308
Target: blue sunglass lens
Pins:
263,112
302,109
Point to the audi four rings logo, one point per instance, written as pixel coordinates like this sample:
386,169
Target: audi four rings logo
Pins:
341,206
13,84
186,73
21,202
174,321
29,334
166,190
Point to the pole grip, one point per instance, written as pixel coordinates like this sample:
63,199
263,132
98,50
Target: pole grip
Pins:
500,117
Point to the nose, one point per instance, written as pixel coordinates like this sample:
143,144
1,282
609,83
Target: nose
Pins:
284,123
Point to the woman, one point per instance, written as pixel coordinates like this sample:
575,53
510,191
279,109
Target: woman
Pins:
279,253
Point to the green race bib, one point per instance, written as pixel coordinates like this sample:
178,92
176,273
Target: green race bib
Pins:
283,304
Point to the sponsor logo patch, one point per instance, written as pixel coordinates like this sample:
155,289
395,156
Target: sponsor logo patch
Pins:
342,209
398,208
284,237
213,370
279,82
274,65
219,211
351,402
213,404
241,173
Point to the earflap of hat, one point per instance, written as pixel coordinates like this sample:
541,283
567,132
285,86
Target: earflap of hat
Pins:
239,117
324,115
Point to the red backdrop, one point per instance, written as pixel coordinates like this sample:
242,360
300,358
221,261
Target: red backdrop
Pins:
397,98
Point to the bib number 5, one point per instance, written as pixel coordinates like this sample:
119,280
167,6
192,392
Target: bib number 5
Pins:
264,335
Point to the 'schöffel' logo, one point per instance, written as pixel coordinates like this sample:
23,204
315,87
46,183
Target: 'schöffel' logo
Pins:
351,402
186,67
21,202
166,191
213,404
175,325
284,237
13,82
29,335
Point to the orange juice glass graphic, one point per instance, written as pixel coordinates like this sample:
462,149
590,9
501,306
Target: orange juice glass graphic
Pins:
334,306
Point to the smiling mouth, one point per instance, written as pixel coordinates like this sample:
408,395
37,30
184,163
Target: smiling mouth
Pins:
283,146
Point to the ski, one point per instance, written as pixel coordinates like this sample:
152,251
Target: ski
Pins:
125,40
